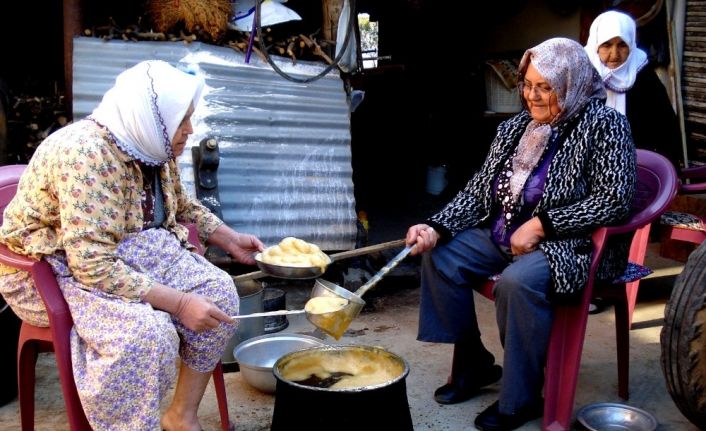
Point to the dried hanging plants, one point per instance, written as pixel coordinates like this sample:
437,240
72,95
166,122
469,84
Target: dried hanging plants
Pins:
210,16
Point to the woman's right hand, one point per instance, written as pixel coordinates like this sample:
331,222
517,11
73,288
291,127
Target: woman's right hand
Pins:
199,313
424,236
196,312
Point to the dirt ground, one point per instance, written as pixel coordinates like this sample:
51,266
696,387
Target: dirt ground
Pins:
390,321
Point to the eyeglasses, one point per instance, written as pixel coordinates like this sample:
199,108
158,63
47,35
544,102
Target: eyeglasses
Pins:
544,90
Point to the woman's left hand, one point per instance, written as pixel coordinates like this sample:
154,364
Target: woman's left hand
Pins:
527,237
241,246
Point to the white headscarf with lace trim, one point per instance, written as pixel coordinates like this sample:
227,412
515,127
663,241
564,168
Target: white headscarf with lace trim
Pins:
144,108
619,80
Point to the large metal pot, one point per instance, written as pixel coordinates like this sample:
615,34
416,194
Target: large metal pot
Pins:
376,400
251,301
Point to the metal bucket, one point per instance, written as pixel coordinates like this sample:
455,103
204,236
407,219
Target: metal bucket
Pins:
251,301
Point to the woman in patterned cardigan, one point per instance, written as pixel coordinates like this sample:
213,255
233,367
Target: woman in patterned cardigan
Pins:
101,201
555,172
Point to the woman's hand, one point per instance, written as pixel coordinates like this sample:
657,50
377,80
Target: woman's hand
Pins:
199,313
527,237
424,236
196,312
241,246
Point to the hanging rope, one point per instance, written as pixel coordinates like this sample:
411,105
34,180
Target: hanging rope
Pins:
263,48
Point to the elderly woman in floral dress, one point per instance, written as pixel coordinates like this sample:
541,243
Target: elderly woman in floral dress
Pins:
102,202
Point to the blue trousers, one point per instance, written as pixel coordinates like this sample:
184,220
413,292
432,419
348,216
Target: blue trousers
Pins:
523,313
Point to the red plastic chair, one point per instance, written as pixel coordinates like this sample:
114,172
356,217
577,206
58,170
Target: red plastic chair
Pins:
683,226
34,340
656,188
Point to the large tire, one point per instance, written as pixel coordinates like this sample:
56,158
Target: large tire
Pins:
683,340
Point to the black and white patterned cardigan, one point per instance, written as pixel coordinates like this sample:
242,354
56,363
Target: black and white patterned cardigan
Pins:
590,183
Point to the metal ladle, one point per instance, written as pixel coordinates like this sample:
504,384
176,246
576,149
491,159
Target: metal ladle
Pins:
268,313
335,323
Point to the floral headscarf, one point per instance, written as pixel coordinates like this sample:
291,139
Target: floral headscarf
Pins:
144,108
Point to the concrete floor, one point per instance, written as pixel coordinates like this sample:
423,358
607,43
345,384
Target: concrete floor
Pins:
390,321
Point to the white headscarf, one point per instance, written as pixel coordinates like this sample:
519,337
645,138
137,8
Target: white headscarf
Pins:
145,107
619,80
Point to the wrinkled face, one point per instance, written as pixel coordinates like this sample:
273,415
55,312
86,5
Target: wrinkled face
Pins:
613,52
182,133
540,97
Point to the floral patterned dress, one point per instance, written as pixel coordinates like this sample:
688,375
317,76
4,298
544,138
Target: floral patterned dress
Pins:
79,206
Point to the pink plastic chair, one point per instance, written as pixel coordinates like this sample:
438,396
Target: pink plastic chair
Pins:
682,226
656,188
55,338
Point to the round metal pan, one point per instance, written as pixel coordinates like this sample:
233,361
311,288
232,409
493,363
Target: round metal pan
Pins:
334,258
289,272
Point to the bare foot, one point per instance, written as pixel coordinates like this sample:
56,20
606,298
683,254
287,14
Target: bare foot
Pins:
173,421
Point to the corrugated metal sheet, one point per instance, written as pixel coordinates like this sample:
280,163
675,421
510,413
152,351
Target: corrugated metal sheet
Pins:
285,167
694,74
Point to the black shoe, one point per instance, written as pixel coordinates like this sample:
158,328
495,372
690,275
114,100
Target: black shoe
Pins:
491,419
452,393
596,306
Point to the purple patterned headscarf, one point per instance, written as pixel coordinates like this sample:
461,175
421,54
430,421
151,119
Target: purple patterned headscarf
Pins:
563,63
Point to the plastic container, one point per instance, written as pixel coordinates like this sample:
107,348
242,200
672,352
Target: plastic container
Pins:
498,97
436,179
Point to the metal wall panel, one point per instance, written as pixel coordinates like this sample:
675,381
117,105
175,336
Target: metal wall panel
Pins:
285,167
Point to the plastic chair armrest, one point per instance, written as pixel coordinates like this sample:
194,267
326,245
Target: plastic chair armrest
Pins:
693,172
14,260
44,281
692,188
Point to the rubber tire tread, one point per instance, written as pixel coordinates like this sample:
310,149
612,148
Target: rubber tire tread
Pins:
683,339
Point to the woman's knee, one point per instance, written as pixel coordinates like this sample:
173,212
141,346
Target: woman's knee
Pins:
153,336
224,293
524,284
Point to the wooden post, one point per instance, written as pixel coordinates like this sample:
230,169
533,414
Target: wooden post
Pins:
72,27
331,11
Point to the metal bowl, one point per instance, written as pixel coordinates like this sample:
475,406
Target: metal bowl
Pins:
289,272
257,355
615,417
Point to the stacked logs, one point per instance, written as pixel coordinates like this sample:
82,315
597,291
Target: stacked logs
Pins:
31,119
296,47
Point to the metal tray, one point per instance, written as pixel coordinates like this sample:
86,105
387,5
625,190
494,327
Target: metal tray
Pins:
614,416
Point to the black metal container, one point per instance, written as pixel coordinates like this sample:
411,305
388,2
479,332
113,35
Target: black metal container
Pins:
275,299
381,406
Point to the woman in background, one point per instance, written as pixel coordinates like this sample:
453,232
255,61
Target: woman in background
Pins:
632,85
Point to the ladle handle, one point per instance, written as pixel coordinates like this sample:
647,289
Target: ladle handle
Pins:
268,313
385,269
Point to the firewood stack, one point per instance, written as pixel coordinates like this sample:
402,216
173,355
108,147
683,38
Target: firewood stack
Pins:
295,47
32,119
